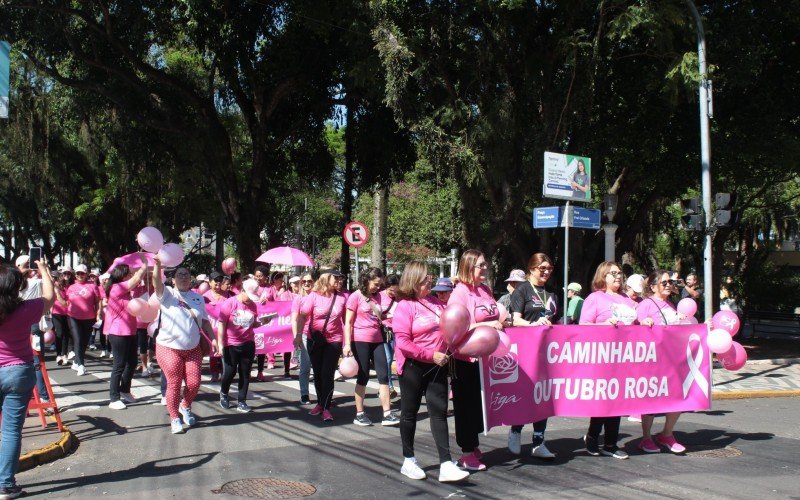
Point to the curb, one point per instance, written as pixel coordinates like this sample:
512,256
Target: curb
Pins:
755,394
778,361
49,453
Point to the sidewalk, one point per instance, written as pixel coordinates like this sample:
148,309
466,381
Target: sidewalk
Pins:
43,445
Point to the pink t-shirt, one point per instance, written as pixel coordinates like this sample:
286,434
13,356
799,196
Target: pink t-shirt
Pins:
297,303
118,321
57,307
239,318
274,294
212,305
416,330
367,326
600,306
15,333
84,299
315,307
391,305
657,310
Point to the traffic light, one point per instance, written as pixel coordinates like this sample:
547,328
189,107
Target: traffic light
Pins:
692,214
723,202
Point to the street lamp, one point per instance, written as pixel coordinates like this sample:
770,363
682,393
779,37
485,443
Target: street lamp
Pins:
610,203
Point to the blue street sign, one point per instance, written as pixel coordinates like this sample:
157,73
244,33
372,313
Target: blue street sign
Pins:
4,78
547,217
586,218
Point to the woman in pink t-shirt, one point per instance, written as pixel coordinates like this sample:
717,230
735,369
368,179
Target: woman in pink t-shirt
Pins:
607,305
656,309
306,283
17,374
213,298
120,326
60,317
324,309
84,305
422,358
363,338
472,293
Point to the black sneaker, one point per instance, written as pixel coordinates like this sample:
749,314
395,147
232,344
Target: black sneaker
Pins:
304,400
591,446
10,492
614,452
362,419
224,403
391,420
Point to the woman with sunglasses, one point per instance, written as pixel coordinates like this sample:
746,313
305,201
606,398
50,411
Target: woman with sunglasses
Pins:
306,283
607,305
421,366
656,309
534,304
471,292
60,315
278,292
324,309
83,311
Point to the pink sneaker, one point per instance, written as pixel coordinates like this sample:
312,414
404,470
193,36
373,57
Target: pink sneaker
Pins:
316,410
648,446
478,453
470,462
326,416
260,377
670,442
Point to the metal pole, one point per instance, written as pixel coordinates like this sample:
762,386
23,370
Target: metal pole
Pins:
610,230
705,158
567,222
357,278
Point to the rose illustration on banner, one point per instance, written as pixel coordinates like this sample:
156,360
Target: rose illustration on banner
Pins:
259,338
504,369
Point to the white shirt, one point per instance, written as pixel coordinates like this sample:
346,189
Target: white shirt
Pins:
178,329
33,289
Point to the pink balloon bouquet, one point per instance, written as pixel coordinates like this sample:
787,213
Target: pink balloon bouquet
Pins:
454,324
726,320
719,341
150,239
482,342
734,359
171,255
687,307
503,345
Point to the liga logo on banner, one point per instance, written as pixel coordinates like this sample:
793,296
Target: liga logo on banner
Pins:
276,336
597,371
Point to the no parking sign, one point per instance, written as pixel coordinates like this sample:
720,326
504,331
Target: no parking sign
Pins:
356,234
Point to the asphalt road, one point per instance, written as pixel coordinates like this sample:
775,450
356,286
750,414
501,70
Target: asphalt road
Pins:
740,449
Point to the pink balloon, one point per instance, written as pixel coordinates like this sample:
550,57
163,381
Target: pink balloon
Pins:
348,367
726,320
734,359
203,288
170,255
719,341
687,307
148,314
150,239
151,328
49,337
502,311
228,266
454,324
153,301
482,342
503,346
136,306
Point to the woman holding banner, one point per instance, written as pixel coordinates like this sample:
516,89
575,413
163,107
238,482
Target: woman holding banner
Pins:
532,304
656,309
472,293
421,360
606,305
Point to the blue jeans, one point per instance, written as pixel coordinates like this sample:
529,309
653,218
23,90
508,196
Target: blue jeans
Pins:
305,370
389,346
16,387
35,330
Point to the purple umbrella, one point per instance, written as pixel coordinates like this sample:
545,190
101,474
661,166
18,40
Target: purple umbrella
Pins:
287,256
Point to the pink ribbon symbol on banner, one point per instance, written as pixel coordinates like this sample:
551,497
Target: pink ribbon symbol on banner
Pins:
694,375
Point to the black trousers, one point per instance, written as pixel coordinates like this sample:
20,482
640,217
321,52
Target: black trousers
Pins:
420,378
125,360
324,357
467,408
611,425
81,329
237,359
364,352
63,335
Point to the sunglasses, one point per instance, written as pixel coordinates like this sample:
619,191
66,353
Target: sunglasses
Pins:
615,273
307,282
544,269
482,266
668,283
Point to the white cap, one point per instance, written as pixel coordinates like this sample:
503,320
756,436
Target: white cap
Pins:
201,277
294,279
81,268
104,276
22,260
636,283
66,269
250,286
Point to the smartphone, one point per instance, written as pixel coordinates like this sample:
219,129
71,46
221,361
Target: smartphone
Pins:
34,255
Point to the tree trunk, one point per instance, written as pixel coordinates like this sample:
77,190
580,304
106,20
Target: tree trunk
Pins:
379,228
347,195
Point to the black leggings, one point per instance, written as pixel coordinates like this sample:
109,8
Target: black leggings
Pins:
237,359
63,335
364,352
81,329
611,425
420,378
125,360
467,405
324,357
287,358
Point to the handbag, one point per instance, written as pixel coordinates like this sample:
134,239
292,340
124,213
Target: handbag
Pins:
318,337
205,342
386,332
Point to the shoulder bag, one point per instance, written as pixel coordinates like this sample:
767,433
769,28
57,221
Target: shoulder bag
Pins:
317,338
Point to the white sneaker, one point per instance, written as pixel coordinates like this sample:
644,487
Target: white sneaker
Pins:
111,355
163,401
449,472
70,355
81,370
127,397
187,415
411,470
145,373
541,451
177,427
514,442
117,405
75,366
103,354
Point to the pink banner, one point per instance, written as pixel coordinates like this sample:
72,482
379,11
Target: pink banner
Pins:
597,371
275,336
